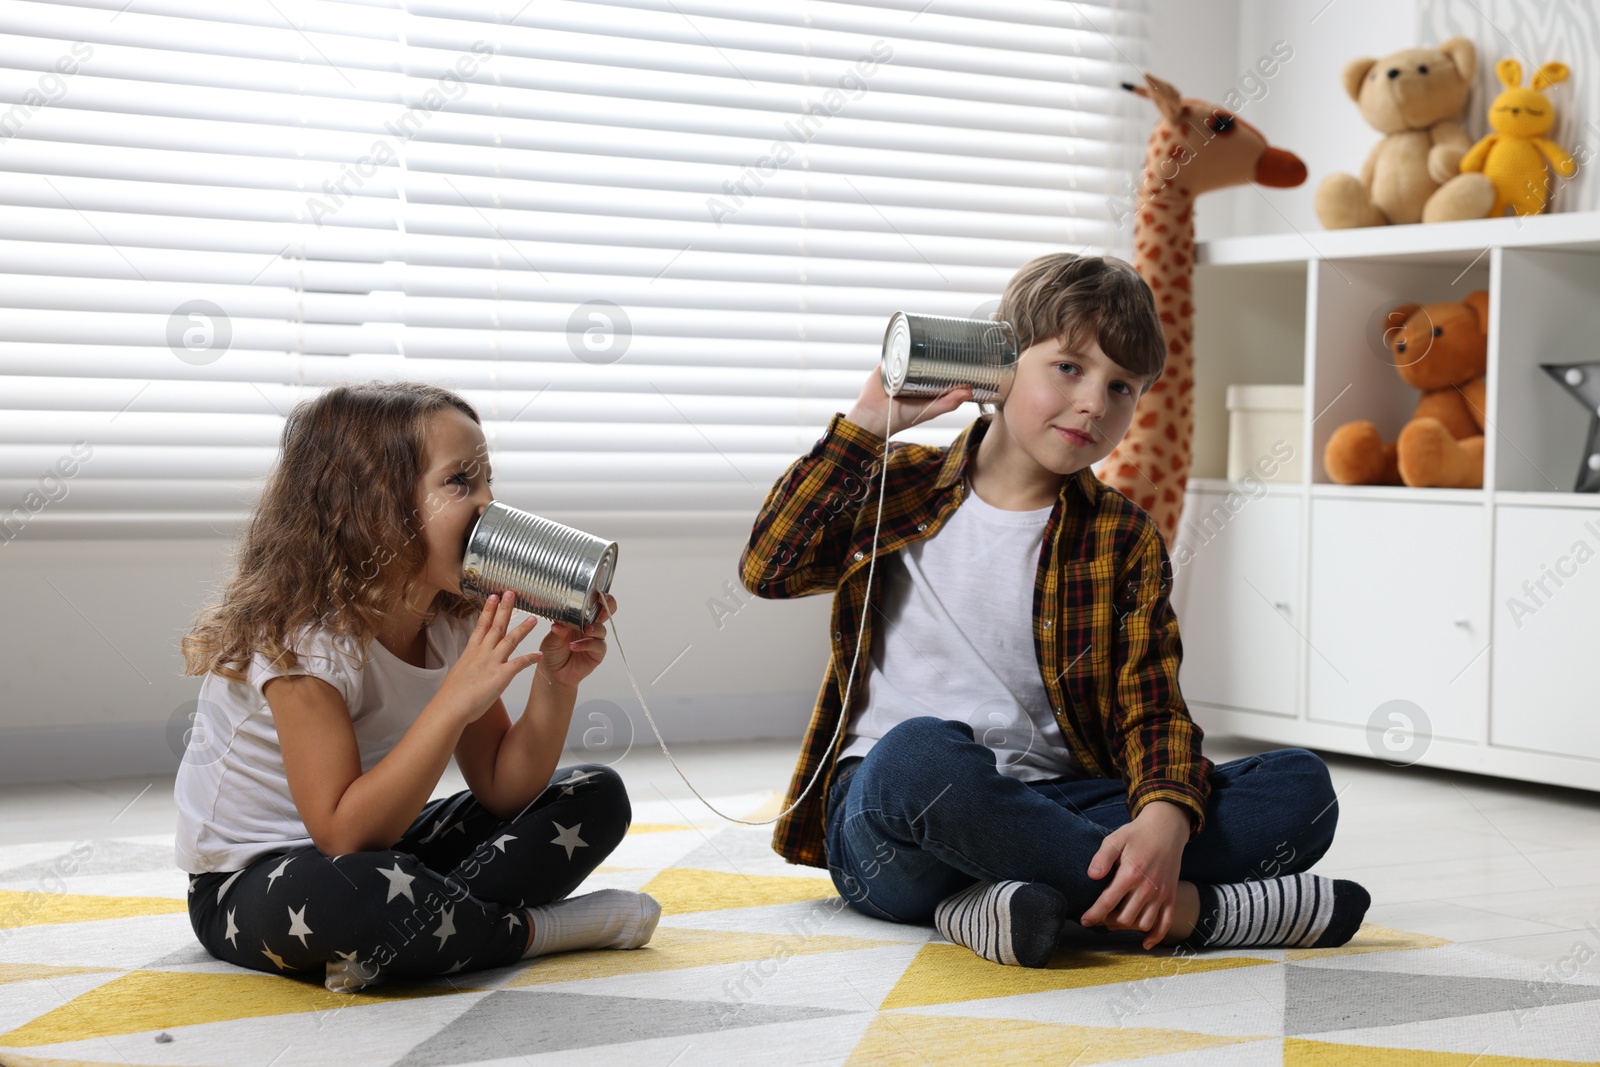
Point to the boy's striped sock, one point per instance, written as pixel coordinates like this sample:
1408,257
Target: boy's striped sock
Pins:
1295,911
1014,923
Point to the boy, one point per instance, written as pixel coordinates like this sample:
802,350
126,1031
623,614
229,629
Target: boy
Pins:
1017,754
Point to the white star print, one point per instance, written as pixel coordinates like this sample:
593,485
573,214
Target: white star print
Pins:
447,926
459,964
297,925
460,827
568,838
512,922
500,842
575,779
274,875
232,929
399,883
273,956
223,888
347,956
192,881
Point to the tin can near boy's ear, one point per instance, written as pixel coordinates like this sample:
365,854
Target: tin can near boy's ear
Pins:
926,355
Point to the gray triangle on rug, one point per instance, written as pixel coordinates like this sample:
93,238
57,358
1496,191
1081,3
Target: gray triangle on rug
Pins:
511,1023
1319,1000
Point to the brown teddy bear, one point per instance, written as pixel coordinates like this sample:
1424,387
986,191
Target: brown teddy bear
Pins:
1414,98
1443,350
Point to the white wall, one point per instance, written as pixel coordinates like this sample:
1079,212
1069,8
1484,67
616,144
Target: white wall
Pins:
92,683
1195,47
1306,109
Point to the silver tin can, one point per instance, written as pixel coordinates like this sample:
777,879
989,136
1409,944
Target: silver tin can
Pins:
556,572
924,355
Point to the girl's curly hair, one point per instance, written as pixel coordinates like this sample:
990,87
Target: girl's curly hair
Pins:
334,541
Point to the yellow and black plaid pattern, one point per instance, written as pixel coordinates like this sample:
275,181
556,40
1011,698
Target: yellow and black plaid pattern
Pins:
1103,625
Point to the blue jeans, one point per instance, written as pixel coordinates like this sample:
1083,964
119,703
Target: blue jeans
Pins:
926,814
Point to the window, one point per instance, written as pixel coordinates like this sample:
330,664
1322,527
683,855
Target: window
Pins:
654,242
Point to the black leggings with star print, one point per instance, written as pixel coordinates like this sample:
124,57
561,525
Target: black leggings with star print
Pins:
446,898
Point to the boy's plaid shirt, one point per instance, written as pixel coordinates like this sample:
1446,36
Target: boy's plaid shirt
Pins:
1103,626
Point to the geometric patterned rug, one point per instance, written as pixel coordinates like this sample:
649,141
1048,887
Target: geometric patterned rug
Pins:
755,961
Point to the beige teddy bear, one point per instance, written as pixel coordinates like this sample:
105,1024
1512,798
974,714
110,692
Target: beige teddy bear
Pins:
1415,99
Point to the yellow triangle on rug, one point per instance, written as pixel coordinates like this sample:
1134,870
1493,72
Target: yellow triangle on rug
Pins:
29,972
943,973
681,890
19,908
156,1000
673,950
1370,938
1298,1052
972,1042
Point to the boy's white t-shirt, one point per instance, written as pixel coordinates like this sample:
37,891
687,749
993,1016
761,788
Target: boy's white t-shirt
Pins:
955,641
232,794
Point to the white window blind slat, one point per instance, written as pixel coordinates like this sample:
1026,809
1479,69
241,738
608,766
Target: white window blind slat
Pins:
594,434
208,168
523,147
132,234
1049,27
149,365
119,461
666,388
672,212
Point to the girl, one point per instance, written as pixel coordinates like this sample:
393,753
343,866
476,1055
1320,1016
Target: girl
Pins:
344,664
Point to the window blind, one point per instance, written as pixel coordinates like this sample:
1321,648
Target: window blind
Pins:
654,242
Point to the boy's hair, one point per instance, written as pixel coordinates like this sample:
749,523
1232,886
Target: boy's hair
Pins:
1077,297
334,539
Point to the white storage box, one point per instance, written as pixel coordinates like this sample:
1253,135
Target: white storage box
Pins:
1265,423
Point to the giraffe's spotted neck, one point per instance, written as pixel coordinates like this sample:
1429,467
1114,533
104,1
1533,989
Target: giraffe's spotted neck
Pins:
1165,217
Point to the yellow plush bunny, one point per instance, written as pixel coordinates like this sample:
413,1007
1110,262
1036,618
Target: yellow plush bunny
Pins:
1511,156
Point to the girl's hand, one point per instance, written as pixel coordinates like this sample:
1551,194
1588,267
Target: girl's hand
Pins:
487,665
872,407
571,655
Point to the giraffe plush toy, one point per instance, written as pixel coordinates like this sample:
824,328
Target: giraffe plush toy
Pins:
1194,148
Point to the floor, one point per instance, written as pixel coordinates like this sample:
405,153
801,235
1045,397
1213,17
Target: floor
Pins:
1504,875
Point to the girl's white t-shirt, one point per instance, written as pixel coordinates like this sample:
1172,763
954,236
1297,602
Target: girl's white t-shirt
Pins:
232,794
955,641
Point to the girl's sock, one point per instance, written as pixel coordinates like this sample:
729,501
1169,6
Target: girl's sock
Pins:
1014,923
348,975
1295,911
606,918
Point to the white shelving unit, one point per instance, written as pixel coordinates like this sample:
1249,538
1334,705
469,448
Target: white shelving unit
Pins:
1440,627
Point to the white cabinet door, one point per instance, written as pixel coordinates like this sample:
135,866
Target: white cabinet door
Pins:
1546,630
1398,596
1236,561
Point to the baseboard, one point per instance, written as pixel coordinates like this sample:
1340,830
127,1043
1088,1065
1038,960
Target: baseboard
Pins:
599,725
91,750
